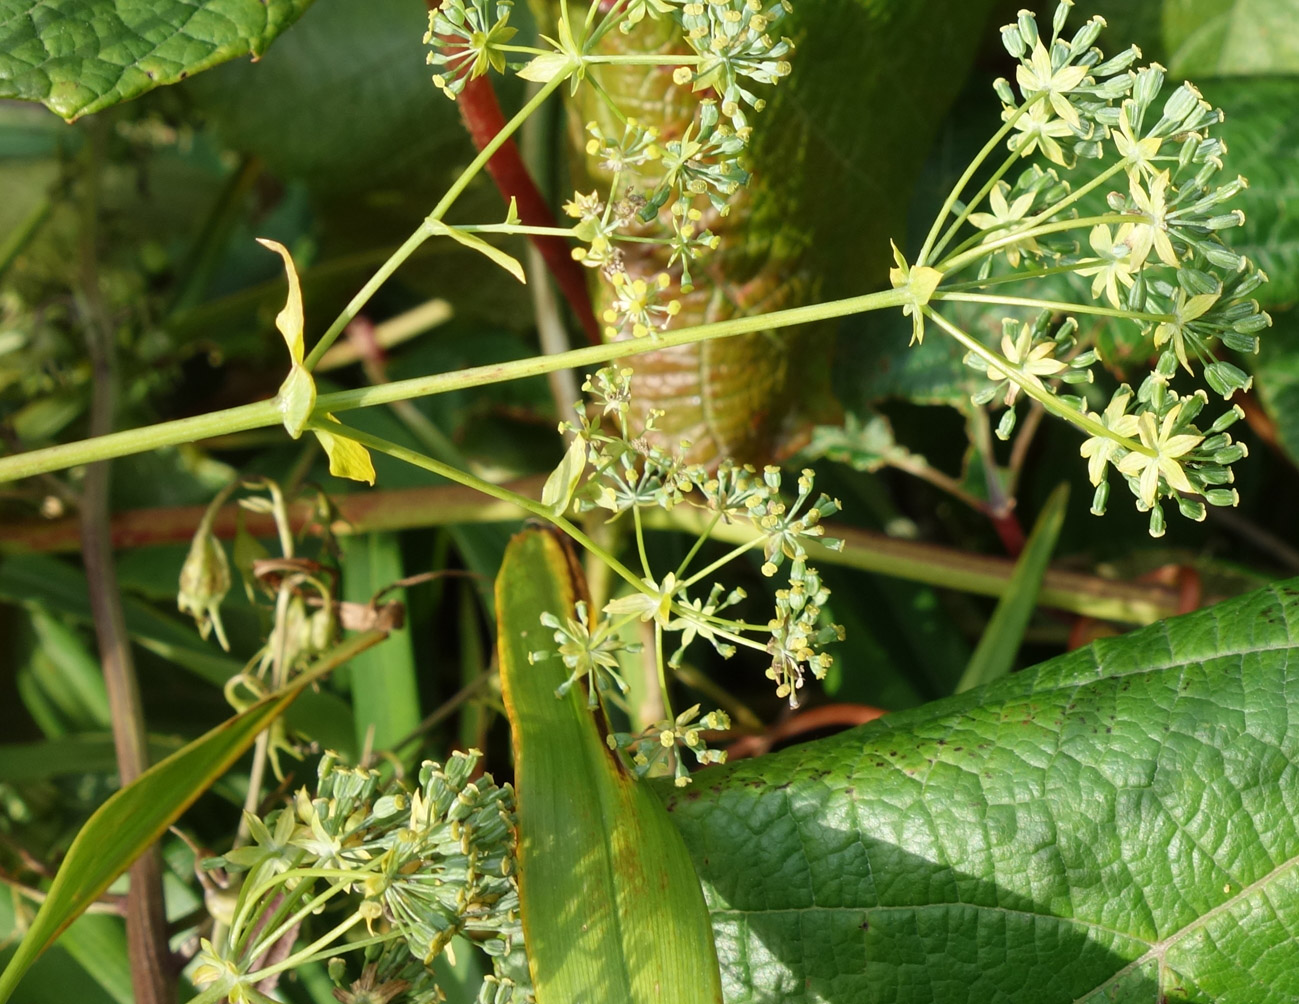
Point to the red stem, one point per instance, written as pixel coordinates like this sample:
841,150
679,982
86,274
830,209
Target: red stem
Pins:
482,117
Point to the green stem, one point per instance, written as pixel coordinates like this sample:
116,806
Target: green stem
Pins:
267,413
528,505
961,259
726,558
978,197
964,180
1033,388
428,228
1021,276
1061,305
694,549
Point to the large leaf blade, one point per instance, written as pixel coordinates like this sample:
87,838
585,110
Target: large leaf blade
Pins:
1117,824
611,908
83,56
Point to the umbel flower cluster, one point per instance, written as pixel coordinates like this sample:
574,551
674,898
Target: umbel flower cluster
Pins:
659,188
622,470
379,872
1131,210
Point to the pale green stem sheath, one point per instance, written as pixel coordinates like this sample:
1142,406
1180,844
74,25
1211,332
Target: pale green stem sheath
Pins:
1064,306
1035,389
428,228
267,413
961,259
964,180
487,488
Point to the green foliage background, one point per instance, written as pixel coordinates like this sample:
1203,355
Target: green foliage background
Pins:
1113,823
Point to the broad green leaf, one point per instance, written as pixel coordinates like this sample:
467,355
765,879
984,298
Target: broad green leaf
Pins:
1116,825
82,56
385,690
558,490
347,457
1218,38
1261,130
995,655
476,243
297,396
135,816
611,907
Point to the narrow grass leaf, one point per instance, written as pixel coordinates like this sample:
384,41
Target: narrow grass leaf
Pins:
997,648
135,816
612,910
385,694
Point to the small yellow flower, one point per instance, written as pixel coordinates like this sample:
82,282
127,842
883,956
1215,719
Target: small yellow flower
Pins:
1153,233
1002,219
1115,261
1022,356
1100,449
1038,76
1167,449
1041,131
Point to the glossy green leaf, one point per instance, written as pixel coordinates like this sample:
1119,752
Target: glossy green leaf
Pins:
135,816
385,691
995,655
1212,38
81,56
611,907
1117,825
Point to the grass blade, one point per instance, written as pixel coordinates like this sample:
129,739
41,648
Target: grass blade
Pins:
612,909
1005,631
137,815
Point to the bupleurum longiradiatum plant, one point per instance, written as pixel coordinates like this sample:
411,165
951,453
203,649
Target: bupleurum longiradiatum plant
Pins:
381,874
1154,256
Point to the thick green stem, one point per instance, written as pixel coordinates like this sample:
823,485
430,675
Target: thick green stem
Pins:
267,413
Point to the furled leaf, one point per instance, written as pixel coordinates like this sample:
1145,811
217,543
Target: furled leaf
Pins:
1118,824
297,396
1211,38
135,816
82,56
611,907
1004,634
347,457
558,490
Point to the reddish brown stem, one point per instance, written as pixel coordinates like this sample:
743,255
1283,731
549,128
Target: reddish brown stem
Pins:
482,117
